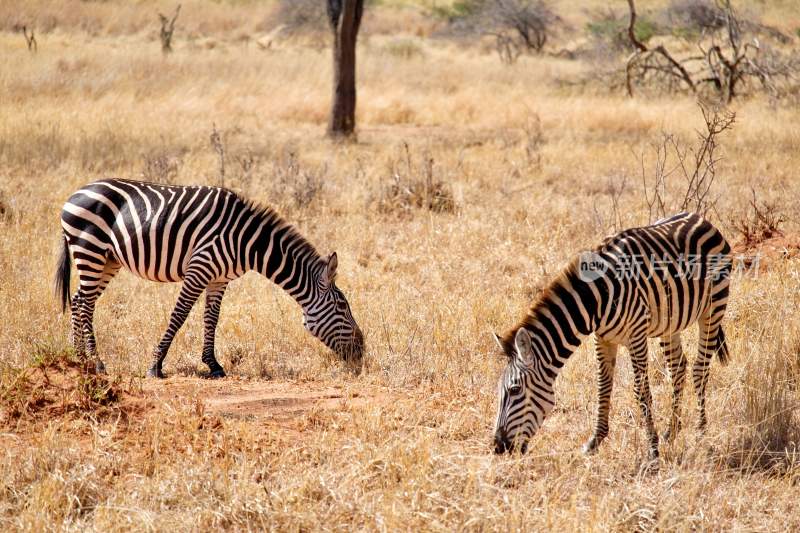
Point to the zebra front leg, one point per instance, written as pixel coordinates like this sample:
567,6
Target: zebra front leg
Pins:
193,285
606,359
214,294
676,365
638,351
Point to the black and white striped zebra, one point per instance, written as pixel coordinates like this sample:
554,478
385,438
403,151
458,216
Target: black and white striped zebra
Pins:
205,237
653,281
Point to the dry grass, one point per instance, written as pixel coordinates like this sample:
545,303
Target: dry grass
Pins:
427,287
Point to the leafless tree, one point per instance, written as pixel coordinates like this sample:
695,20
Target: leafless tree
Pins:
727,60
30,40
167,29
658,60
344,17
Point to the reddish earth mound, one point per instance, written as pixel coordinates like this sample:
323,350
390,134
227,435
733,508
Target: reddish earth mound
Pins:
61,386
763,254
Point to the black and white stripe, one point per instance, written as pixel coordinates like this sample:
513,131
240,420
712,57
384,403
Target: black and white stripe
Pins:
653,281
205,237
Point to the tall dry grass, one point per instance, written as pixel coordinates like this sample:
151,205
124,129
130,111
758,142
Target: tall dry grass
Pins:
427,287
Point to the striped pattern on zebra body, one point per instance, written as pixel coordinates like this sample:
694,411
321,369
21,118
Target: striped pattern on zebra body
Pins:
653,281
205,237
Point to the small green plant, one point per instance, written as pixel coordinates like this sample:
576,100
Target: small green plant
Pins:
457,10
47,353
608,27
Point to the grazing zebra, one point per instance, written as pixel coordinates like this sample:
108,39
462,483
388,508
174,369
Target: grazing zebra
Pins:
204,236
653,281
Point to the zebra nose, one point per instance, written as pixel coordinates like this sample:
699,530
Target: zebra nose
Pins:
358,341
501,443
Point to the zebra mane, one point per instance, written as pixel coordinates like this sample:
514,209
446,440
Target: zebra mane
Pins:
275,219
564,279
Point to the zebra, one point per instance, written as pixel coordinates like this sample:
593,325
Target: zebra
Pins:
205,237
652,281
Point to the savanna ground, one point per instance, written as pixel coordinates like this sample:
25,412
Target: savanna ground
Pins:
529,169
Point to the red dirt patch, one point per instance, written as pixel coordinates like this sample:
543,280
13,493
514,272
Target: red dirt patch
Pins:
64,390
62,387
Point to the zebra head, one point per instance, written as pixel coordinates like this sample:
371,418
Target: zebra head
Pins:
524,396
328,316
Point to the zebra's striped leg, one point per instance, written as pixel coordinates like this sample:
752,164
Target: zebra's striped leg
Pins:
641,384
78,340
214,294
88,302
676,365
707,345
193,286
606,358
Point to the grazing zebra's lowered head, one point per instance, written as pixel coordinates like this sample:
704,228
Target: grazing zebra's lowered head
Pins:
525,394
327,316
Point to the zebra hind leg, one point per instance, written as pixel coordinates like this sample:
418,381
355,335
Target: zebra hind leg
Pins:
78,339
676,365
606,359
193,286
88,302
214,294
708,334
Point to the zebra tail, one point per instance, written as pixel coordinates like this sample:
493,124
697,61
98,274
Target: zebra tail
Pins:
62,277
722,347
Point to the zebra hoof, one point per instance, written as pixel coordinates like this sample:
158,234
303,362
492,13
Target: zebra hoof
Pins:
155,372
590,448
216,374
99,367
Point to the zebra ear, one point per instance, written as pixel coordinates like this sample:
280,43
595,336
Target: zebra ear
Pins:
329,274
506,347
522,341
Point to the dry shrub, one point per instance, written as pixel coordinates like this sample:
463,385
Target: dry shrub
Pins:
761,223
296,17
694,16
162,167
413,186
294,185
56,384
517,26
696,164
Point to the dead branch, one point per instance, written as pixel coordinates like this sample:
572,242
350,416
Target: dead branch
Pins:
167,29
219,148
30,40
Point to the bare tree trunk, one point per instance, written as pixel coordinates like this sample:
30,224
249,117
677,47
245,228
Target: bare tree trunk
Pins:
345,19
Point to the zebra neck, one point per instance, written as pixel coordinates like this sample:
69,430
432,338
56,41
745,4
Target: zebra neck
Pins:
284,256
564,315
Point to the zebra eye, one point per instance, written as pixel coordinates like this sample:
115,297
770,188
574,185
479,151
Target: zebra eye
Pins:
514,389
